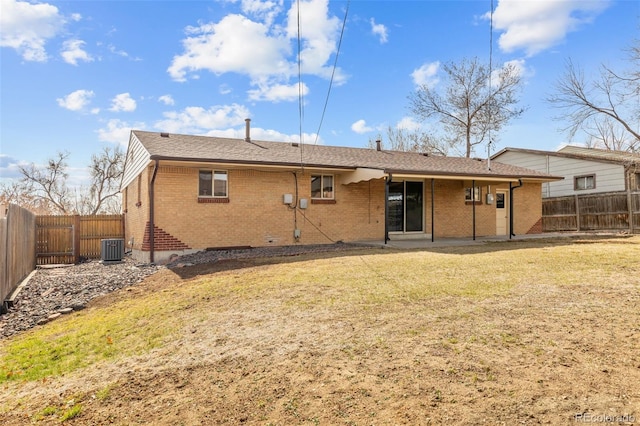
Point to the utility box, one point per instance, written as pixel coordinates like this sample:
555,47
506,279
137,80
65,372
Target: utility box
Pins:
112,250
303,203
287,198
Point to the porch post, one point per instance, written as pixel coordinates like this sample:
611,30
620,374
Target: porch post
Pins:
386,208
473,206
510,210
433,190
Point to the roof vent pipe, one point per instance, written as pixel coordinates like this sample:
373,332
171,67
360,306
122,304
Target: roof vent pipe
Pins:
378,145
247,137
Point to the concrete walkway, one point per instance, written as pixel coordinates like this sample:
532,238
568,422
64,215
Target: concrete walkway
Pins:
426,243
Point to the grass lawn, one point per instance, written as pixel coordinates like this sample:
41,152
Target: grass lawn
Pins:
520,332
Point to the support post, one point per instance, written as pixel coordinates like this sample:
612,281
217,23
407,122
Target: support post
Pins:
433,191
386,208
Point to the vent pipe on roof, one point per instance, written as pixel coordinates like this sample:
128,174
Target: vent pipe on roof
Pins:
247,137
378,145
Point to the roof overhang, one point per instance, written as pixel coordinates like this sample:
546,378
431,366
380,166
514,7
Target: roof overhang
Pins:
261,165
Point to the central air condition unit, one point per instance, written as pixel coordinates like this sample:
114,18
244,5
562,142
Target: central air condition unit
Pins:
112,250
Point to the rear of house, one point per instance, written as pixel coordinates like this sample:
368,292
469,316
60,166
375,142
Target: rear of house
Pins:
199,192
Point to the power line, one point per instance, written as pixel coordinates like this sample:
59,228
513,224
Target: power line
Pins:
335,63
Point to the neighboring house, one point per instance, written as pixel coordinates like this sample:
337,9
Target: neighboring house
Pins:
199,192
585,170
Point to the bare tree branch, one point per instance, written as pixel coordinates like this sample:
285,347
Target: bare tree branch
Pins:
610,104
473,105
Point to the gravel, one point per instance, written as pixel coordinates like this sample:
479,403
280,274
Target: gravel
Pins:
55,291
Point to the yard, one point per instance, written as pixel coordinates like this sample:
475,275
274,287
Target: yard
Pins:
529,332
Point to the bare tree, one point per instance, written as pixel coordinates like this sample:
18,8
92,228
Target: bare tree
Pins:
47,187
474,102
102,195
401,139
50,182
607,108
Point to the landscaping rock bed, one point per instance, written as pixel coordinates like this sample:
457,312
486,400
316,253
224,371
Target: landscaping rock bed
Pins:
54,291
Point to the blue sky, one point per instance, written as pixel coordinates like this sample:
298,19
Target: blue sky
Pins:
79,75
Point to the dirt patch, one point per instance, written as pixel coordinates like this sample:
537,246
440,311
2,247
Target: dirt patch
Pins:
539,354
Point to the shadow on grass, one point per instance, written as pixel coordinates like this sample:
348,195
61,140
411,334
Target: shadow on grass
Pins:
330,251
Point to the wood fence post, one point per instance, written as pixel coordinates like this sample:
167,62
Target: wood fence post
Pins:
76,238
577,213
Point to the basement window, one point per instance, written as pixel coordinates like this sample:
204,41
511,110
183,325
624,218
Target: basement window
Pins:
322,187
584,182
212,183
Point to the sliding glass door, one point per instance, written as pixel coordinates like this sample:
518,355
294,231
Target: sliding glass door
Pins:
406,210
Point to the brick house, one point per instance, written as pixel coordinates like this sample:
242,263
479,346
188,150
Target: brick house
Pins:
198,192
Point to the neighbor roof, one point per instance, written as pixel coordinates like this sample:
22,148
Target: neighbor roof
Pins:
177,147
581,153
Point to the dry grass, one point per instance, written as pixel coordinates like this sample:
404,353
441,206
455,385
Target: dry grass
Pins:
518,332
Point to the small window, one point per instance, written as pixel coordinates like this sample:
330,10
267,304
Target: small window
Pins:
637,188
584,182
322,187
476,194
212,183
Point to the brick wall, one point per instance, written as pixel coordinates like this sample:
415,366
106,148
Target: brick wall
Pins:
254,213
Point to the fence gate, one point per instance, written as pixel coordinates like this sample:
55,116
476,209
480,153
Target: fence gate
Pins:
55,240
65,239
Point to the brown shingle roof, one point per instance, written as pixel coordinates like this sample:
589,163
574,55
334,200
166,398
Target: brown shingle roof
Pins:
225,150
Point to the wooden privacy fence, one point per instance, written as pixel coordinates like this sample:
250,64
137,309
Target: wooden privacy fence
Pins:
614,211
66,239
17,254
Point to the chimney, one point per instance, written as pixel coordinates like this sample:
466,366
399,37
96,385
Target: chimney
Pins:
247,137
378,145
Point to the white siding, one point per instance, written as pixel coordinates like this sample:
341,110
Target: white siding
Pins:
609,177
137,159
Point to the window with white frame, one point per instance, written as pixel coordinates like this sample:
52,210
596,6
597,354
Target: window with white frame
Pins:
212,183
322,187
584,182
472,194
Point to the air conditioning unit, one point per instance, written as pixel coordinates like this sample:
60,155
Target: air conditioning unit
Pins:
112,250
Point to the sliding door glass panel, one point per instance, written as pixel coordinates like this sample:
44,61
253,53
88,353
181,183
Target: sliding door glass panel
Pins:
396,206
413,200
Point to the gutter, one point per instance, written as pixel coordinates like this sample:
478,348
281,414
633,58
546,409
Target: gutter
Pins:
511,188
151,212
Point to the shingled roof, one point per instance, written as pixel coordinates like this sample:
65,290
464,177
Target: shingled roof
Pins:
582,153
189,148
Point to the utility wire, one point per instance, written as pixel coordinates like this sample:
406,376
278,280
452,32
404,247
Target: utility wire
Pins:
335,63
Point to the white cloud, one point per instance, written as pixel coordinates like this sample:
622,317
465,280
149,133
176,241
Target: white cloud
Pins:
26,27
380,30
166,99
277,92
408,123
361,127
9,167
534,26
225,89
123,102
72,52
260,134
117,131
319,36
261,49
77,101
517,65
426,74
198,120
235,44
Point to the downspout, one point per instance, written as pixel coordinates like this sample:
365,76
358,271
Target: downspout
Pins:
151,215
386,208
511,188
